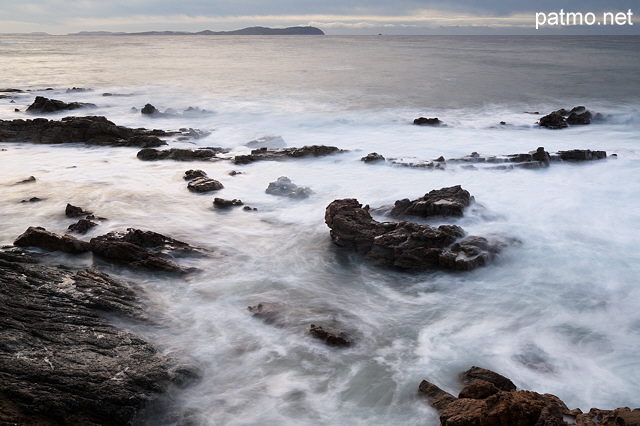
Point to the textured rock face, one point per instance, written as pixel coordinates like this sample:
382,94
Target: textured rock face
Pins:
60,361
406,245
562,118
449,201
204,184
93,130
283,187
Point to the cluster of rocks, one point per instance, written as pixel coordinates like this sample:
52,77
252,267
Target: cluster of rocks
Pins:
275,314
82,226
409,245
531,160
61,362
91,130
283,187
151,111
45,105
200,182
266,153
490,399
134,248
562,118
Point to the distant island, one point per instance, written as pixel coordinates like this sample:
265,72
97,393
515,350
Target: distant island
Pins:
244,31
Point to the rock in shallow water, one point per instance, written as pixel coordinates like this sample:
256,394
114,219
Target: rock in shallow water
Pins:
285,188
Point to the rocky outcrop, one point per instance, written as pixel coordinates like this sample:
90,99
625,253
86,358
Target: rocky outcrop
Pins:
75,211
61,362
93,130
82,226
423,121
582,155
373,157
283,187
561,119
179,154
41,238
45,105
490,399
285,153
449,201
330,336
406,245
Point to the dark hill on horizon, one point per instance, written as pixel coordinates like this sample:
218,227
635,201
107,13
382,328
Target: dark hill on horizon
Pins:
244,31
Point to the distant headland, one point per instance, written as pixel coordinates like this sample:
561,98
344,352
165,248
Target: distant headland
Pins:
244,31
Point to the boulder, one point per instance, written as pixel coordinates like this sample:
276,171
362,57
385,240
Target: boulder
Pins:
554,120
285,188
406,245
562,118
192,174
372,157
450,201
46,105
204,184
82,226
92,130
74,211
221,203
61,361
482,374
43,239
422,121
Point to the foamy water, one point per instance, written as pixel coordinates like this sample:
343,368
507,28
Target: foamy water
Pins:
557,313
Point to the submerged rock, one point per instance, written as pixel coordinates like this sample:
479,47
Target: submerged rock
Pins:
406,245
449,201
490,399
330,336
285,188
61,362
284,153
46,105
92,130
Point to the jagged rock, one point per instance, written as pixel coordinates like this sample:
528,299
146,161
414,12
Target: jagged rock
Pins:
406,245
149,109
562,118
284,153
372,157
82,226
450,201
204,184
41,238
192,174
478,373
92,130
285,188
330,336
221,203
74,211
582,155
61,362
421,121
179,154
554,120
579,115
438,398
46,105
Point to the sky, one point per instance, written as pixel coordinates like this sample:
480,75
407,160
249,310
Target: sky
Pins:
334,17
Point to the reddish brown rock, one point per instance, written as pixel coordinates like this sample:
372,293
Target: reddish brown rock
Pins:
41,238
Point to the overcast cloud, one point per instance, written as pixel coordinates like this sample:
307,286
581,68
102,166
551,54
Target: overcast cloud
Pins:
332,16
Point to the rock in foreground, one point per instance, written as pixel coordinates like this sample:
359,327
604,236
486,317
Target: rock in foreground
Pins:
60,361
406,245
449,201
490,399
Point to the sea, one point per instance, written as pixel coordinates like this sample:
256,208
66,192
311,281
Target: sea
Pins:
557,313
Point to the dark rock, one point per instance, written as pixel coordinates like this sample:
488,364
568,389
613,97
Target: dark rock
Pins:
406,245
478,373
149,109
285,188
204,184
74,211
562,118
178,154
449,201
541,155
41,238
221,203
46,105
372,157
90,130
438,398
78,90
192,174
331,336
582,155
32,200
421,121
61,362
284,153
554,120
30,179
579,116
82,226
247,208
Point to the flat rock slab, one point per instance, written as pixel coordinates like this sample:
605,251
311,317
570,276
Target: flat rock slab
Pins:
285,153
61,362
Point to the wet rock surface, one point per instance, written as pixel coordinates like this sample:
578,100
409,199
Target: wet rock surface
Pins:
283,187
424,121
266,153
331,336
561,119
449,201
61,362
39,237
45,105
179,154
91,130
204,184
407,245
490,399
221,203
